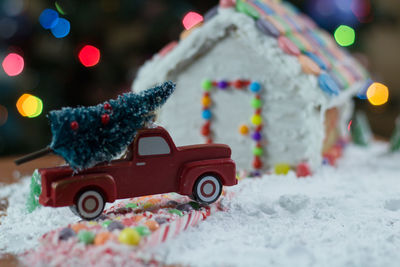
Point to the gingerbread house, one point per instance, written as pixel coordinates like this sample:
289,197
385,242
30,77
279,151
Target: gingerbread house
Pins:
261,77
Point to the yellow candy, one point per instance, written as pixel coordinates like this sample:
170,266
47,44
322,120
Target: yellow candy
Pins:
206,101
129,236
256,119
243,129
282,168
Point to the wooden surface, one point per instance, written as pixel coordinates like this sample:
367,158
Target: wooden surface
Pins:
10,173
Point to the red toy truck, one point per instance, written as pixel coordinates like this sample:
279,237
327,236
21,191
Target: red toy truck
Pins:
152,165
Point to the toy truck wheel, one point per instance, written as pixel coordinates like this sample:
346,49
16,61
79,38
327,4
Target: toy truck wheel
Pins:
90,204
207,189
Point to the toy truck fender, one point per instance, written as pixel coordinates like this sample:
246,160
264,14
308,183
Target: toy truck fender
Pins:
65,191
224,168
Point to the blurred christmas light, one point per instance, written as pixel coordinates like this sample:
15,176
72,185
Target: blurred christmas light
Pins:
13,7
362,10
345,35
3,115
61,29
48,18
89,56
29,106
378,94
13,64
191,19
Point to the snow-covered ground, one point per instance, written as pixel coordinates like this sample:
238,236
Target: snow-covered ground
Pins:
344,216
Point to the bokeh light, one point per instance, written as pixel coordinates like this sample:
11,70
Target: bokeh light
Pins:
48,18
191,19
61,29
3,115
13,64
378,94
89,56
59,8
29,106
345,35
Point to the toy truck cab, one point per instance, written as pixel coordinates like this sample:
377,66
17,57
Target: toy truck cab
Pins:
152,165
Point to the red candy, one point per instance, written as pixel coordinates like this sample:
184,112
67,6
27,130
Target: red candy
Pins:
303,170
257,164
288,46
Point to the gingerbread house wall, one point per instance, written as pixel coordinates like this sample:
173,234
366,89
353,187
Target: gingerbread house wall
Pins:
293,117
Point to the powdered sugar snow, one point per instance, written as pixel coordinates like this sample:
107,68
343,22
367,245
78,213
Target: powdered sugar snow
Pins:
344,216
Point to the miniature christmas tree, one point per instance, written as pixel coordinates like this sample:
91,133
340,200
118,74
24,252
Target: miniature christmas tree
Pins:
85,136
360,130
35,189
395,139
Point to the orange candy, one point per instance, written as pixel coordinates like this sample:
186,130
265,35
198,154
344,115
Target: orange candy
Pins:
152,225
102,238
206,101
78,227
138,218
243,129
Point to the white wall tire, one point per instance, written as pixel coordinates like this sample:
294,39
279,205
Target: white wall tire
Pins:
90,204
207,189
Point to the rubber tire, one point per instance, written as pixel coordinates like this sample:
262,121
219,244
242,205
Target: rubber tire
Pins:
94,194
197,191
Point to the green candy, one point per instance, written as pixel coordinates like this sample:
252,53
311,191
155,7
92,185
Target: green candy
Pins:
105,224
131,205
257,151
175,211
256,103
86,237
247,9
207,85
143,230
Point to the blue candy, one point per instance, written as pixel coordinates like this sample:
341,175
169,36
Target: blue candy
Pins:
328,85
206,114
264,7
267,28
317,60
255,87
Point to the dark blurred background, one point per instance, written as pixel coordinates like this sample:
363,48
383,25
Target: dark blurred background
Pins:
128,32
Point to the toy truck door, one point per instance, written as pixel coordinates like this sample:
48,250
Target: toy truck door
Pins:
154,165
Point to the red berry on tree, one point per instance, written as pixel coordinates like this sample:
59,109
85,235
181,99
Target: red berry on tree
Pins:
107,106
74,125
105,119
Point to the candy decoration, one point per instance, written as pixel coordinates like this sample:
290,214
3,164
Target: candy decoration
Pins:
131,205
143,230
207,85
184,207
175,211
226,3
257,163
222,84
264,7
129,236
168,48
243,129
66,233
246,8
74,125
152,225
79,227
86,237
102,238
267,28
303,170
288,46
105,224
257,151
206,114
282,168
256,119
317,60
308,65
114,225
328,85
